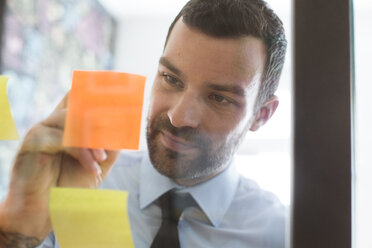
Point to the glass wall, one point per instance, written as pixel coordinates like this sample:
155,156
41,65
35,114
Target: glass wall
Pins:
40,49
265,155
44,41
363,124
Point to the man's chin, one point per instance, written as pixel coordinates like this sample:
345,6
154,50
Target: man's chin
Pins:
178,175
168,163
186,175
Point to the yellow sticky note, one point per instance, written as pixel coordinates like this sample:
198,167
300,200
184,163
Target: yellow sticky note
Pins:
88,218
8,130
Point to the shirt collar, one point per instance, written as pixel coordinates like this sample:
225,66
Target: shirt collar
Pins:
152,183
213,196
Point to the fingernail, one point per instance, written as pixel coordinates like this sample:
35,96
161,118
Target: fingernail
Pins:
99,180
100,155
98,168
104,155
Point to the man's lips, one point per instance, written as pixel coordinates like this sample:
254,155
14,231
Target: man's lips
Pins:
177,144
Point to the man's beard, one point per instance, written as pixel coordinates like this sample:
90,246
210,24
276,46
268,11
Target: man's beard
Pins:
210,159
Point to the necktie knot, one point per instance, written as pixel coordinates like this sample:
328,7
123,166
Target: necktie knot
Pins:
172,205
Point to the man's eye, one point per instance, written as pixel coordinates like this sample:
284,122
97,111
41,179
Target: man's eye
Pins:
219,99
172,80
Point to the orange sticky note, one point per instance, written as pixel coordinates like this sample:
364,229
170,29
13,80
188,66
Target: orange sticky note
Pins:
104,110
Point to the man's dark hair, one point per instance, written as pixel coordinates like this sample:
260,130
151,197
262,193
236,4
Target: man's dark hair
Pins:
238,18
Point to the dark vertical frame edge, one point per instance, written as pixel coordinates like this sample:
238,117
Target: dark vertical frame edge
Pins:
352,120
323,121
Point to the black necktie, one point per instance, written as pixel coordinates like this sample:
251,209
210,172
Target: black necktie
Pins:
172,206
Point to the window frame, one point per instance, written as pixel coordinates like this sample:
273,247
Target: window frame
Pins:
323,117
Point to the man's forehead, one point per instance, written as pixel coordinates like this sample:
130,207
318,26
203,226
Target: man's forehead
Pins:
246,54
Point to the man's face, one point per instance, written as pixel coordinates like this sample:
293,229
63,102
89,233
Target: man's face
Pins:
202,102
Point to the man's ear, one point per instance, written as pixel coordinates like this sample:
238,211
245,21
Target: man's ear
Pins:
264,113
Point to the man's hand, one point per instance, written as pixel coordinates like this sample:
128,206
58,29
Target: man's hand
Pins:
42,163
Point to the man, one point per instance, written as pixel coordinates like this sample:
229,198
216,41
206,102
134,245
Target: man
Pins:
216,81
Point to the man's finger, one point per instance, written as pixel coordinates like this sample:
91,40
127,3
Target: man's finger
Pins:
106,165
86,159
56,119
99,154
44,139
63,103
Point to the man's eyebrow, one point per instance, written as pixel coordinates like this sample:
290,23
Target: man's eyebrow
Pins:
165,62
237,90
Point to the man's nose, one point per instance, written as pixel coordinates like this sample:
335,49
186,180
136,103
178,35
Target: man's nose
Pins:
186,112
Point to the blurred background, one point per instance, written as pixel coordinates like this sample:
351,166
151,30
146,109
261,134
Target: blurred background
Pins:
43,41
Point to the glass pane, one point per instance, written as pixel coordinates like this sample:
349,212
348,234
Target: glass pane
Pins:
44,41
363,119
269,149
